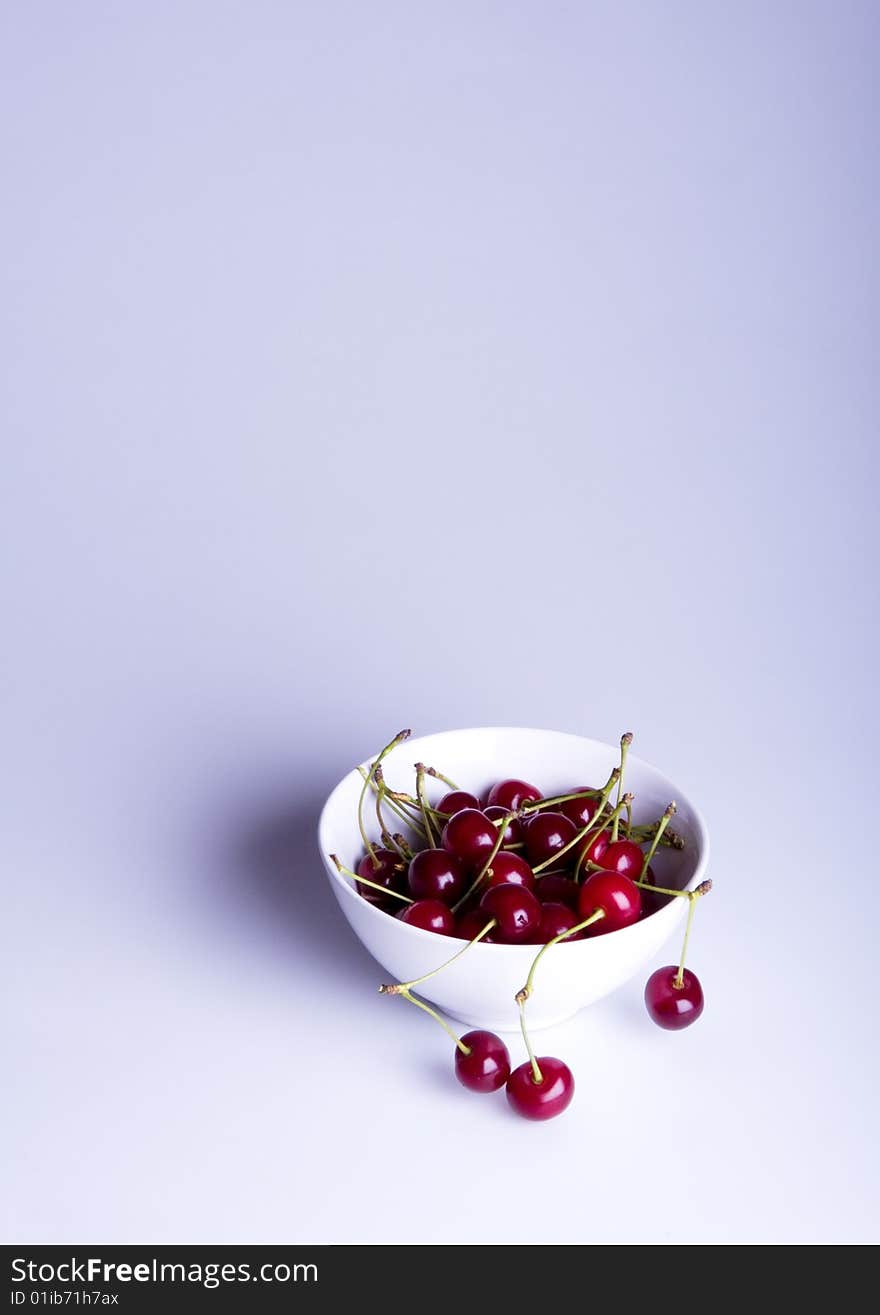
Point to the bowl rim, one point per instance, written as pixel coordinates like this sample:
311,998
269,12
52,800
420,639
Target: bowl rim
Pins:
667,913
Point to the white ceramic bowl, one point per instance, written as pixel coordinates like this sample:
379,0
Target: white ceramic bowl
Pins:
480,987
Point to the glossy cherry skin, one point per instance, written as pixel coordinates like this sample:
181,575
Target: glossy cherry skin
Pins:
487,1067
512,793
557,888
671,1006
579,811
623,856
545,1099
513,832
436,874
470,836
517,910
555,919
508,869
546,834
456,800
470,924
593,850
430,915
617,896
390,873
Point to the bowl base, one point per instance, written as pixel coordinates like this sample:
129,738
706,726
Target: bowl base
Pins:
509,1025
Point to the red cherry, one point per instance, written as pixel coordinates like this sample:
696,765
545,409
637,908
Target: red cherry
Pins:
430,915
516,909
470,836
623,856
512,794
388,871
617,896
470,924
436,874
487,1067
456,800
546,834
508,869
579,811
555,919
557,888
513,832
671,1006
544,1099
592,850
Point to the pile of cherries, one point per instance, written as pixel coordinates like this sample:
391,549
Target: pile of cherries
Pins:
518,868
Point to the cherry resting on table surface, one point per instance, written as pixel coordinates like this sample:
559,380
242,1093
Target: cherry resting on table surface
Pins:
671,1006
545,1099
512,794
430,915
517,910
436,874
619,899
388,871
487,1067
470,836
456,800
546,834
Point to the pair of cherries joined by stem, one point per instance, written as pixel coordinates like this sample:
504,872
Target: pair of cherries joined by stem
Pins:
538,1089
519,869
542,1087
482,1064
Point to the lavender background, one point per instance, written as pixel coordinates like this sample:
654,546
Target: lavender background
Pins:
430,365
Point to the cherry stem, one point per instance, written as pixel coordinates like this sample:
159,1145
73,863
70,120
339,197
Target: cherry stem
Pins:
499,840
402,987
629,821
413,809
381,792
669,839
423,805
662,890
678,979
364,881
406,851
622,806
596,916
370,848
432,771
420,1004
537,1075
585,830
410,802
625,741
523,995
703,889
535,805
596,822
393,804
661,827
